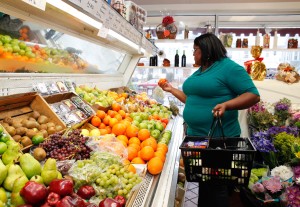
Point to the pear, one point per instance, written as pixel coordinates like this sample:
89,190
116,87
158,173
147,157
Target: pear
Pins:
13,173
3,196
29,165
2,204
16,198
49,171
38,179
12,153
59,175
3,172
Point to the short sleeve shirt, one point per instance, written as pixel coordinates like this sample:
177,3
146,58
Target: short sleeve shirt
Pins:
222,81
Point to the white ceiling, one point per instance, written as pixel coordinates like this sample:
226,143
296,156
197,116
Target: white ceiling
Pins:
230,13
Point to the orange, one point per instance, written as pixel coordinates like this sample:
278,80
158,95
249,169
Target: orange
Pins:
113,121
118,116
143,134
126,162
106,120
115,106
96,121
131,168
155,166
132,131
132,153
147,153
108,128
160,154
134,140
101,114
122,113
103,131
111,113
137,160
119,129
163,146
127,123
102,126
123,138
136,146
128,118
150,142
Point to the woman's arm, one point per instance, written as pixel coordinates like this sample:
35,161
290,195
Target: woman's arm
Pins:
177,93
243,101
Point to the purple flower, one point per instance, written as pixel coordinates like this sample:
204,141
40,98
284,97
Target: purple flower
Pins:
293,195
263,145
282,107
273,184
296,171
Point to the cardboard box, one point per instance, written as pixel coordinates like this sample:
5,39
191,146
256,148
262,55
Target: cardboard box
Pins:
20,106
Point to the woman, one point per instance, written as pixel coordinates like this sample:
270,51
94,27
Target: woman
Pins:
219,86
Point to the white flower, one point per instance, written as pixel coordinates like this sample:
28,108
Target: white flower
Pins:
298,180
283,172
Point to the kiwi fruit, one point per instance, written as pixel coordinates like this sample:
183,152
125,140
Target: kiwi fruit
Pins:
25,141
16,124
51,130
17,138
43,126
5,125
31,119
8,120
43,132
11,130
43,119
39,154
30,133
32,124
35,115
50,124
21,131
58,128
24,122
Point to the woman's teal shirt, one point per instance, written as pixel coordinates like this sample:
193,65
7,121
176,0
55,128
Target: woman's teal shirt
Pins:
222,81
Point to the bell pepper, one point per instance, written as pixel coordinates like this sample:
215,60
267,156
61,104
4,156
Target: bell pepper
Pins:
86,192
121,200
109,202
62,187
53,198
34,193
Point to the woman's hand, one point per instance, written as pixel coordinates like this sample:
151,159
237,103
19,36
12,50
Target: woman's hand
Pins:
167,87
219,109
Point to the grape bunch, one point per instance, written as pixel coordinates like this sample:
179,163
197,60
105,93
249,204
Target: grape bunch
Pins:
67,146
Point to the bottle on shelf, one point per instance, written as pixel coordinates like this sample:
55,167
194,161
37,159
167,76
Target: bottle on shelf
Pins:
257,38
176,62
155,60
183,59
275,40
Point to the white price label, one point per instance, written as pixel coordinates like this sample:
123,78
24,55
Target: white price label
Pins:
90,6
103,32
40,4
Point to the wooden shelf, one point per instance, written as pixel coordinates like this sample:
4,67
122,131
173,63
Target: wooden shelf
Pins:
162,67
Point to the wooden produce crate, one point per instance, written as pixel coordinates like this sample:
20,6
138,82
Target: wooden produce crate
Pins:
21,106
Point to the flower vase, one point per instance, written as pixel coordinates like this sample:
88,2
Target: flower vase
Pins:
166,31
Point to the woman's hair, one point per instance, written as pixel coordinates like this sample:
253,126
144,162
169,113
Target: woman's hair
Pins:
211,47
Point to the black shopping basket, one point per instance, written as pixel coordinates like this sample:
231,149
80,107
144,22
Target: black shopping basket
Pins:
226,160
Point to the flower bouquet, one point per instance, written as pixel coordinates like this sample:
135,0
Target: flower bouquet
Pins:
167,29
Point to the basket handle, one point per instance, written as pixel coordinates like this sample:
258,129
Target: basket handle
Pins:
216,121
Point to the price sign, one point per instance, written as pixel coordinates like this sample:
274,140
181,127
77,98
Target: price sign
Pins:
90,6
40,4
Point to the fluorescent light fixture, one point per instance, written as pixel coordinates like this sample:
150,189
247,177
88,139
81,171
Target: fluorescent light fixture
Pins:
123,39
75,13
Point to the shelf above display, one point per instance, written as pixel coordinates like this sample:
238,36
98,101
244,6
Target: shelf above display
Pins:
168,67
74,20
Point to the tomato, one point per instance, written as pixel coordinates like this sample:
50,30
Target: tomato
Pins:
162,81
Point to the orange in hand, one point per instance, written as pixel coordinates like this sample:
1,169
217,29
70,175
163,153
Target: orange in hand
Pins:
162,81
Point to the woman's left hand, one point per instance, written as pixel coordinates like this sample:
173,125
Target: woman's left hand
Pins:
219,109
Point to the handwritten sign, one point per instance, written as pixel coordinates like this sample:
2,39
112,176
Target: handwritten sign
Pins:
103,32
77,2
40,4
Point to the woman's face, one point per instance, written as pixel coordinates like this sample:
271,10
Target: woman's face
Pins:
197,55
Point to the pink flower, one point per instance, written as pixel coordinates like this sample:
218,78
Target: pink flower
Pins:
258,188
273,184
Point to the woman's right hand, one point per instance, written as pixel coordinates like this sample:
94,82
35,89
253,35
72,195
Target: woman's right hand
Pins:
167,87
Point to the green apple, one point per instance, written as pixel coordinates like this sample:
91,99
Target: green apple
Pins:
138,118
151,126
143,125
159,126
3,147
22,45
135,123
144,116
4,138
85,132
155,133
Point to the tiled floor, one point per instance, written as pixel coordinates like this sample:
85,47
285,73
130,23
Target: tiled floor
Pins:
191,195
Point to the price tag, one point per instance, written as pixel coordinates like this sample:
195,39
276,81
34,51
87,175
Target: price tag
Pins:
40,4
103,31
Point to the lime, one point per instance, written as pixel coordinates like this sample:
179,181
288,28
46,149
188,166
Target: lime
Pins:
3,147
4,138
36,139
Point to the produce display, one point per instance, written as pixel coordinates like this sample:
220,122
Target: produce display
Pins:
101,162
